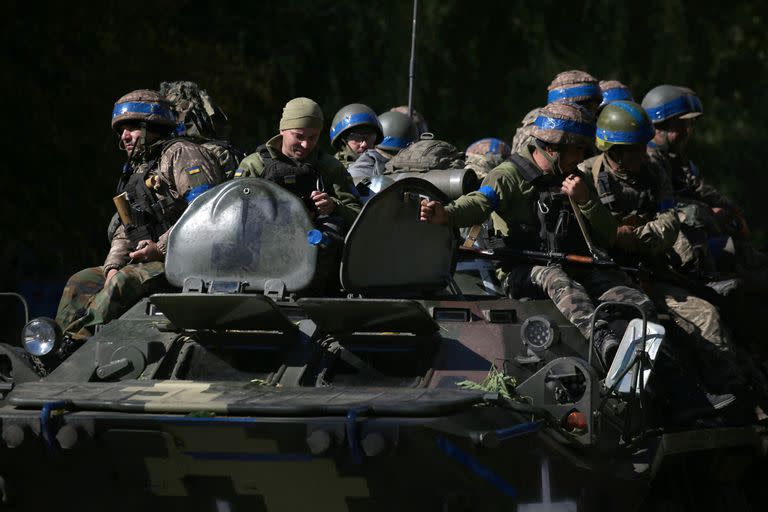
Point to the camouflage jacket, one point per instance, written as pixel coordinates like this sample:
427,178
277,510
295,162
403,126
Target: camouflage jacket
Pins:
643,201
345,156
370,164
334,175
686,180
511,202
179,166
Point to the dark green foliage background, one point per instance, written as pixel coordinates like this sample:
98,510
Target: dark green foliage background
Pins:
481,66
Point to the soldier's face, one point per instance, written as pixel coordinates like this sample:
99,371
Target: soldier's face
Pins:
570,157
631,158
678,131
298,143
361,141
130,135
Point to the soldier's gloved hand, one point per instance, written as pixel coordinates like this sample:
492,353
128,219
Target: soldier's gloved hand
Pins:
146,250
110,275
433,212
626,239
575,188
323,202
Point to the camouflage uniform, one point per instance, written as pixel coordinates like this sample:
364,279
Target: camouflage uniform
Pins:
335,177
644,201
511,202
179,167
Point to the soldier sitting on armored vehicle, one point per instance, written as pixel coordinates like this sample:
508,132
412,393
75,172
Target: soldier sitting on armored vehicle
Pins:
529,199
574,86
399,132
293,160
639,195
354,130
161,176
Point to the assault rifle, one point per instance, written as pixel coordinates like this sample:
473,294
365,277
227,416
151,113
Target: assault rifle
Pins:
640,272
502,254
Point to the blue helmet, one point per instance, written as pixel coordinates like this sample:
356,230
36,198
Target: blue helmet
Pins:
351,116
667,101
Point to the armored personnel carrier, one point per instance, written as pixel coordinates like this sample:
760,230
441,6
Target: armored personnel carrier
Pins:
418,388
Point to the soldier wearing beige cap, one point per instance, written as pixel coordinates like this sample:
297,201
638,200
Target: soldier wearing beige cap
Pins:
293,160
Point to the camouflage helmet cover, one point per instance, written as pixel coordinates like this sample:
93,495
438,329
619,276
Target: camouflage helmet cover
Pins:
564,123
667,101
146,106
622,123
398,129
613,90
351,116
573,86
489,146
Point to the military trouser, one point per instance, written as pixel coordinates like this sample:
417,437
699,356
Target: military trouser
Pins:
88,302
692,314
577,292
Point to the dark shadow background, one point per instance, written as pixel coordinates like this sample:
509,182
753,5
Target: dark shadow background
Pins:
481,66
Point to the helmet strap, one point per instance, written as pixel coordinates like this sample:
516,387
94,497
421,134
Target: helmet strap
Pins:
554,160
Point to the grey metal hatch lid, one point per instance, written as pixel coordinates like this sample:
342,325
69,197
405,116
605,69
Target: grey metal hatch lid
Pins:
389,249
247,230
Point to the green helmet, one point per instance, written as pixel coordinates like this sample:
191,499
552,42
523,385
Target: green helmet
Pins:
399,131
622,123
667,101
351,116
144,106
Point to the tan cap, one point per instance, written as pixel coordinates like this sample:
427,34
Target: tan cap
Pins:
301,113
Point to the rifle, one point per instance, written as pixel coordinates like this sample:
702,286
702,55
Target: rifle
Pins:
641,272
502,254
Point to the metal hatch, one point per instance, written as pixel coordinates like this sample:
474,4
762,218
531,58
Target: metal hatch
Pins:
247,230
388,249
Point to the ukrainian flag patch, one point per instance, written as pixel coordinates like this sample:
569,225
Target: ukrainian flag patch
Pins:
239,173
193,170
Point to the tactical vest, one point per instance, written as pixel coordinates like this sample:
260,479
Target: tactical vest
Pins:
297,177
558,229
632,205
153,208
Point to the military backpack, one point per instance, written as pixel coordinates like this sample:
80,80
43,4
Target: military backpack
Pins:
426,155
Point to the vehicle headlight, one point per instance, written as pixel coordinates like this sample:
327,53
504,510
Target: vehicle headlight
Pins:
539,333
40,336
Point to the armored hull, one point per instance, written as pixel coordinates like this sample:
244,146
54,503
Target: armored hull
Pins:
241,393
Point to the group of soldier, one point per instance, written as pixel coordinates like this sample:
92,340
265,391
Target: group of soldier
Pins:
590,173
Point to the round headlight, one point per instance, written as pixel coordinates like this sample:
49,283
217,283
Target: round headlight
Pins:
40,336
539,333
